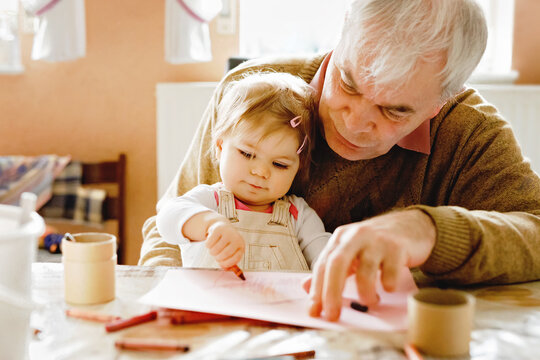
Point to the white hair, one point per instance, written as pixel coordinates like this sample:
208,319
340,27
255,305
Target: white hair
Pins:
396,34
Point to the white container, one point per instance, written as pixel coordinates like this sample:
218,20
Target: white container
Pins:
89,268
15,311
18,244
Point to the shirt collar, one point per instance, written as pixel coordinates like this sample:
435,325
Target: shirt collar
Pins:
418,140
238,204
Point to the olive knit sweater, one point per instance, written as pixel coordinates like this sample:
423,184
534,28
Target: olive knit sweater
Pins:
481,194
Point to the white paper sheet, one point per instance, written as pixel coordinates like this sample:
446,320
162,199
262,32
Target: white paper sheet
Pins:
276,297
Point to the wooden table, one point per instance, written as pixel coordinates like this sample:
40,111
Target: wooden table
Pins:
507,326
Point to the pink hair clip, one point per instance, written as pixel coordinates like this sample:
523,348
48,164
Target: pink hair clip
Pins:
294,123
302,146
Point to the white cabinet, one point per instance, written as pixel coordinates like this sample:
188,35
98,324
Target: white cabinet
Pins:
179,110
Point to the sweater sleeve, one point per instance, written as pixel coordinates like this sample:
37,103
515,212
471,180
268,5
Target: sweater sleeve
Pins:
155,251
488,212
312,237
175,212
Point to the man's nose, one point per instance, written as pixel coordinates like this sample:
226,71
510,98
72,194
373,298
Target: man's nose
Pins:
360,116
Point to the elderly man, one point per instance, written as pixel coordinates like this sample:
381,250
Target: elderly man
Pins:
410,168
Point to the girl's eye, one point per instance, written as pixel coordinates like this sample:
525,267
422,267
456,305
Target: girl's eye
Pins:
245,154
280,166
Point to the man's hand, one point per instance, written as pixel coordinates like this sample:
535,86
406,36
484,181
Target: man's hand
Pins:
224,243
387,242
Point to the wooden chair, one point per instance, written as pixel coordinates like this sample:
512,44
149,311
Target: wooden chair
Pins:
111,172
110,175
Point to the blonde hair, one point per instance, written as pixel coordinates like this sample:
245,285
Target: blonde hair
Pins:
397,34
247,101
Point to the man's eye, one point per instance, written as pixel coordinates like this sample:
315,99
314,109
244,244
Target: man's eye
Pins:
280,166
393,114
245,154
346,87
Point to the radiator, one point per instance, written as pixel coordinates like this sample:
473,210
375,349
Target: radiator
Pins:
520,105
180,107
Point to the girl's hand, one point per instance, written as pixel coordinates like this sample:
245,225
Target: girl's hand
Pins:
224,243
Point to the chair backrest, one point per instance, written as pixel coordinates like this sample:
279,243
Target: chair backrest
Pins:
112,172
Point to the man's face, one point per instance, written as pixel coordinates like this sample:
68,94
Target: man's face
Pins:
258,172
361,123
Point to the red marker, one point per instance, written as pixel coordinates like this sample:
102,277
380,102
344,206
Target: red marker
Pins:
125,323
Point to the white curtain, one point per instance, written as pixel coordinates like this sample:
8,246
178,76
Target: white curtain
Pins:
187,37
10,48
61,34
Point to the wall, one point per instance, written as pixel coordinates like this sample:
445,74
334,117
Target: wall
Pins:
526,52
103,104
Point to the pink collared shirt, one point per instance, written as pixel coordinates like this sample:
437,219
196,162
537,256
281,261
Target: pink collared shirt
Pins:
418,140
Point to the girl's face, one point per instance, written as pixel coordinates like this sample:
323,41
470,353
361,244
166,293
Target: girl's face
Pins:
258,172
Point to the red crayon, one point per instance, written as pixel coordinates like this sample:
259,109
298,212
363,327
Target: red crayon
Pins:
411,352
145,344
91,316
298,355
125,323
179,317
237,271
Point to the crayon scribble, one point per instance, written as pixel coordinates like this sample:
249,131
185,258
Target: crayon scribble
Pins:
257,289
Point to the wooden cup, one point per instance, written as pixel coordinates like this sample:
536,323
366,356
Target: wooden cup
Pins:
440,321
89,268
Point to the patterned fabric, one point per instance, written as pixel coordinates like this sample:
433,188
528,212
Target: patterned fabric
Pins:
57,183
89,205
71,200
62,203
20,174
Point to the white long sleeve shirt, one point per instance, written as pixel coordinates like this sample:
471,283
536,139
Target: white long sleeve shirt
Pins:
172,216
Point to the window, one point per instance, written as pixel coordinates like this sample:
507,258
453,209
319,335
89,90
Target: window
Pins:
265,28
496,64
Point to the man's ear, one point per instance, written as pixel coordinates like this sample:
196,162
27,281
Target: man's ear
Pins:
436,110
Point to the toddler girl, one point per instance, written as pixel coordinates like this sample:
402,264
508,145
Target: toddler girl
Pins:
262,137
